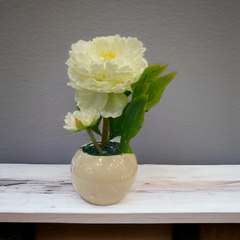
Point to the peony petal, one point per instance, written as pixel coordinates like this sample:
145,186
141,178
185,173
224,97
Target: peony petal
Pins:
97,67
115,105
70,122
95,57
87,99
87,117
81,46
101,85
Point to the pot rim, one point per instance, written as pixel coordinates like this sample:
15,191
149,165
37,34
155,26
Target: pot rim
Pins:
102,156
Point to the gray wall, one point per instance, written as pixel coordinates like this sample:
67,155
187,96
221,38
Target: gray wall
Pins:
198,118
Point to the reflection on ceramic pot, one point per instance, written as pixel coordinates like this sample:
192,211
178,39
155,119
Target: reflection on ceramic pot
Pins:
103,180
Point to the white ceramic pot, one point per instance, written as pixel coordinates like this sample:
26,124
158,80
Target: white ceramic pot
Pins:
103,180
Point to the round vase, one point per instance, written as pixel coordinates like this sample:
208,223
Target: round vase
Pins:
103,180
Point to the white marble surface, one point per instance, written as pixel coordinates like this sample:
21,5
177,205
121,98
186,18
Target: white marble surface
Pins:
161,194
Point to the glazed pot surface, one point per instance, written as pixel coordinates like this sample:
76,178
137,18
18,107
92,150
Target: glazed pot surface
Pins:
103,180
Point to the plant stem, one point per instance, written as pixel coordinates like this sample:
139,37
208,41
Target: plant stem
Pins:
105,132
90,134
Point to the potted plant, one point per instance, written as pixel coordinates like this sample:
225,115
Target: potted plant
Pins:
114,86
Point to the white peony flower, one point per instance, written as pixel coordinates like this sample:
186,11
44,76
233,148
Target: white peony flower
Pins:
79,120
102,69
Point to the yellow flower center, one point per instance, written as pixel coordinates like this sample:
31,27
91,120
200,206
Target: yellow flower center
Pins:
110,55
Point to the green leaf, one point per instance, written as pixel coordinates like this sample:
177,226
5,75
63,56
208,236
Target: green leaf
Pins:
95,128
141,90
156,89
132,121
73,131
134,117
115,125
149,74
124,147
154,71
127,93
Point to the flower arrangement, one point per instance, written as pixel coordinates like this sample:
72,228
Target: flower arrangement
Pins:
114,85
